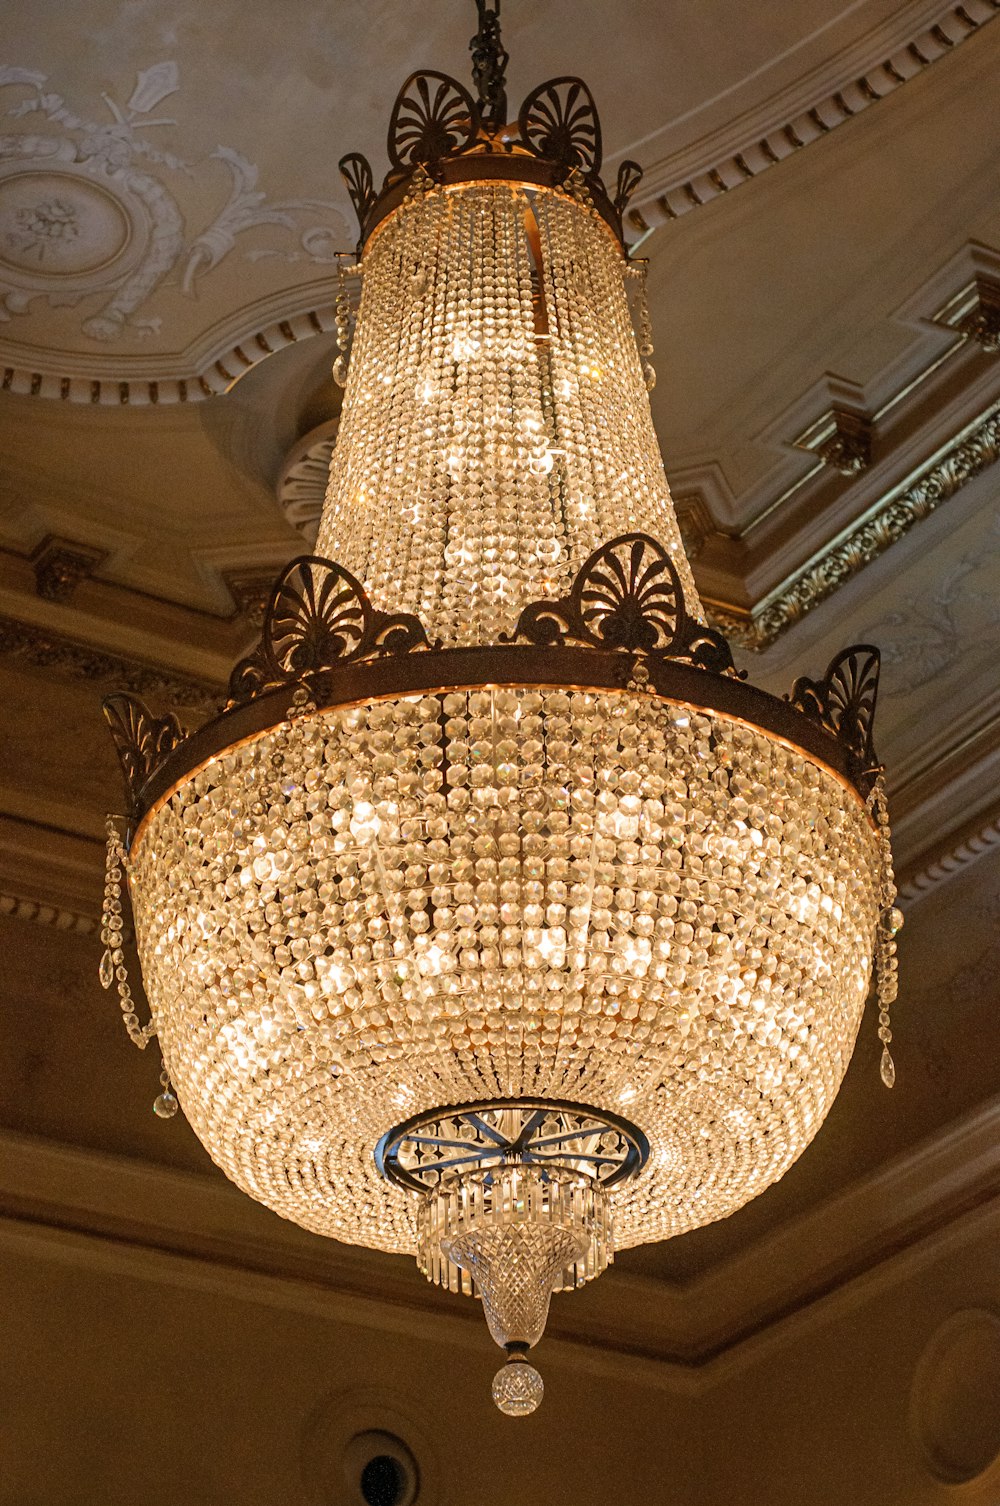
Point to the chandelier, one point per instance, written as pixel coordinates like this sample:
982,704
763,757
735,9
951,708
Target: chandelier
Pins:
496,918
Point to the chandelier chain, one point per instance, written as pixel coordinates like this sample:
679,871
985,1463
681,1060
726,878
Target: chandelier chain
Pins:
489,66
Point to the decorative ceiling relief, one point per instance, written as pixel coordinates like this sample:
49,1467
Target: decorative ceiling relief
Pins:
927,637
80,214
903,443
96,216
842,438
96,213
304,477
880,526
699,173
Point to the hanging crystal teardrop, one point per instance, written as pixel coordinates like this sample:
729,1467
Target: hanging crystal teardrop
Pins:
106,971
887,1068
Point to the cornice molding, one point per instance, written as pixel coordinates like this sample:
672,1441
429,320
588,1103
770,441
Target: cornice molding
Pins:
664,199
971,452
946,865
124,1210
249,344
41,648
17,908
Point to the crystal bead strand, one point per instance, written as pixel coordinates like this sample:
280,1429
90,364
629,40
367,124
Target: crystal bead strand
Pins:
890,923
481,455
621,483
342,319
581,515
434,413
644,331
642,462
569,293
524,452
113,968
417,510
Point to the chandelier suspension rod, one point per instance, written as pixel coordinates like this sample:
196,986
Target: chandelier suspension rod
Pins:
489,66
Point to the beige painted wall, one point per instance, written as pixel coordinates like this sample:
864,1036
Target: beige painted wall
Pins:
818,1411
119,1388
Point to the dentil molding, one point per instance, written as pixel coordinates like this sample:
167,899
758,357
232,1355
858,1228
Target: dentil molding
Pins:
726,164
91,210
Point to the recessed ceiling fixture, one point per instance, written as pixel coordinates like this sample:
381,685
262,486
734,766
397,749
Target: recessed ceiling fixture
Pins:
496,918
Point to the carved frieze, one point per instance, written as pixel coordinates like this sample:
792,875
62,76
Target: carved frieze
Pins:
842,439
970,455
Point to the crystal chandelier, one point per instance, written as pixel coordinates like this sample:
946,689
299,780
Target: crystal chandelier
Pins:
496,918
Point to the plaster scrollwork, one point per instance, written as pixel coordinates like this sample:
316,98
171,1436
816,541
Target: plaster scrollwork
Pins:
304,478
246,208
89,211
926,638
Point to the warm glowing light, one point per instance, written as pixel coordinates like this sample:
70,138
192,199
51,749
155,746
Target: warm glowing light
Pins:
504,893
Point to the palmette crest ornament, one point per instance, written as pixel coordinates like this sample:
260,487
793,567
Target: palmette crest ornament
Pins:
497,918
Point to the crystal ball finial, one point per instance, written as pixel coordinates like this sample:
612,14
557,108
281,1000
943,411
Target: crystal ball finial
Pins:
517,1387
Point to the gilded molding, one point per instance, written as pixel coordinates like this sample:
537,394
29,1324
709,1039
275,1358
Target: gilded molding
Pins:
251,592
42,649
982,320
61,564
842,439
968,456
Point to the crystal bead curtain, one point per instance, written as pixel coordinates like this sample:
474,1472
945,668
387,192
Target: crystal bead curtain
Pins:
437,899
496,425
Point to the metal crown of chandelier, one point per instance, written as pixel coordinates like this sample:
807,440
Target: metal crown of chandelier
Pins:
496,918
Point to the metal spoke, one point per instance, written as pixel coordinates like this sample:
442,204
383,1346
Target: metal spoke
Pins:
597,1160
445,1144
583,1134
528,1130
488,1131
474,1160
425,1148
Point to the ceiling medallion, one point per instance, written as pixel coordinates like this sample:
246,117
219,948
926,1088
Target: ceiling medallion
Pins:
497,918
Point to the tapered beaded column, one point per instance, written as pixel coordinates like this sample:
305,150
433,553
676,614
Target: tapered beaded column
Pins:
496,427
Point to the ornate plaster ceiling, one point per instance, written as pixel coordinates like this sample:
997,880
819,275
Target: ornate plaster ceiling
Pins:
827,399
